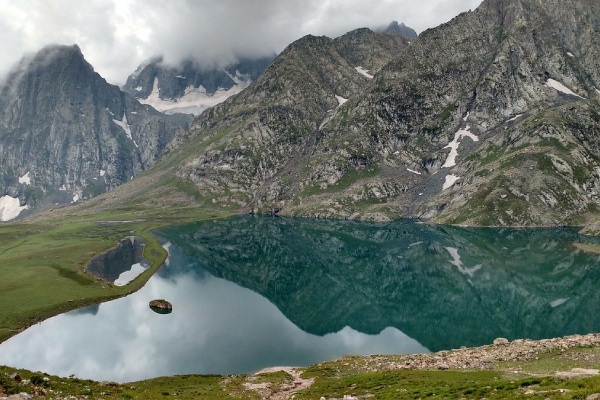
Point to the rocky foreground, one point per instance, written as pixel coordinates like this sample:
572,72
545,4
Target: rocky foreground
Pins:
502,356
486,357
477,358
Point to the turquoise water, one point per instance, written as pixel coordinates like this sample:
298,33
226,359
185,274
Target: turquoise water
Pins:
254,292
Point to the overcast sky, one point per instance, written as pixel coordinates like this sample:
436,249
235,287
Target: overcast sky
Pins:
115,36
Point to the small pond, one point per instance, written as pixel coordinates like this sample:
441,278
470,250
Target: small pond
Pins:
255,292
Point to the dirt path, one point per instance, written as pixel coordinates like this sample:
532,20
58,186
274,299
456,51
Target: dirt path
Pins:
282,391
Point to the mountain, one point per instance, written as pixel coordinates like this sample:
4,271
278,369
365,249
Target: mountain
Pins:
395,27
488,119
267,127
67,135
188,87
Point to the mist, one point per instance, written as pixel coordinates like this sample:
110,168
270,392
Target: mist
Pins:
116,36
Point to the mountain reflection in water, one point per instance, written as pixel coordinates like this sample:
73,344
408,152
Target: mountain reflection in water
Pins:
253,292
444,286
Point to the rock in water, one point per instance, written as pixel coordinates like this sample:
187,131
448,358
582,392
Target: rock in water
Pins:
161,306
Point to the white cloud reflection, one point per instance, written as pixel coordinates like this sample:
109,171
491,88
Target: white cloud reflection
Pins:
216,327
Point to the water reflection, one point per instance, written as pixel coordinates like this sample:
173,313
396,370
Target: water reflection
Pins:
216,327
444,286
251,292
121,264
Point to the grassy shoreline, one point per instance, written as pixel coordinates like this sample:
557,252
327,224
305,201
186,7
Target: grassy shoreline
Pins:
43,260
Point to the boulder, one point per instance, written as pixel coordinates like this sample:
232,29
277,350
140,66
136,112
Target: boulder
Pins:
161,306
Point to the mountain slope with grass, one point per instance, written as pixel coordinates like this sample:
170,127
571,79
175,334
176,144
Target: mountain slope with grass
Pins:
489,119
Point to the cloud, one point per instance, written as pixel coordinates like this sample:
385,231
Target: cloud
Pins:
117,35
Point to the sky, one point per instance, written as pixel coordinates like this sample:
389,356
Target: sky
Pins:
116,36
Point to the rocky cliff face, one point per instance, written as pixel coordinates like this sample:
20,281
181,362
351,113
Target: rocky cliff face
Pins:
190,88
66,134
489,119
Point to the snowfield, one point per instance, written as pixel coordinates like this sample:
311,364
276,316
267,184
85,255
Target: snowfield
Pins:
453,146
194,100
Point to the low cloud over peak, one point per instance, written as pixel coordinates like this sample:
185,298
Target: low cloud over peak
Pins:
117,35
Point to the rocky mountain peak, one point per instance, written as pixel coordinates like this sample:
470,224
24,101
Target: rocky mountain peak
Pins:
488,119
401,29
66,134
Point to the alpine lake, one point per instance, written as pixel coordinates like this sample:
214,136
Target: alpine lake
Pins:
253,292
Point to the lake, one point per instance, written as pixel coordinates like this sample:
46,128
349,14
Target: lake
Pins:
252,292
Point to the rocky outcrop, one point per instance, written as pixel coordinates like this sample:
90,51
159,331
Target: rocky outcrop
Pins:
401,29
486,357
67,135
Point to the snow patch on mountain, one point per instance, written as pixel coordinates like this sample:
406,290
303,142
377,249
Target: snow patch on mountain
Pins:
450,181
10,208
195,99
453,145
340,100
25,179
515,118
125,125
556,85
363,72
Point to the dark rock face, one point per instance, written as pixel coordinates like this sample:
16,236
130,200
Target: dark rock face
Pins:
111,264
189,88
401,29
488,119
70,133
367,49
